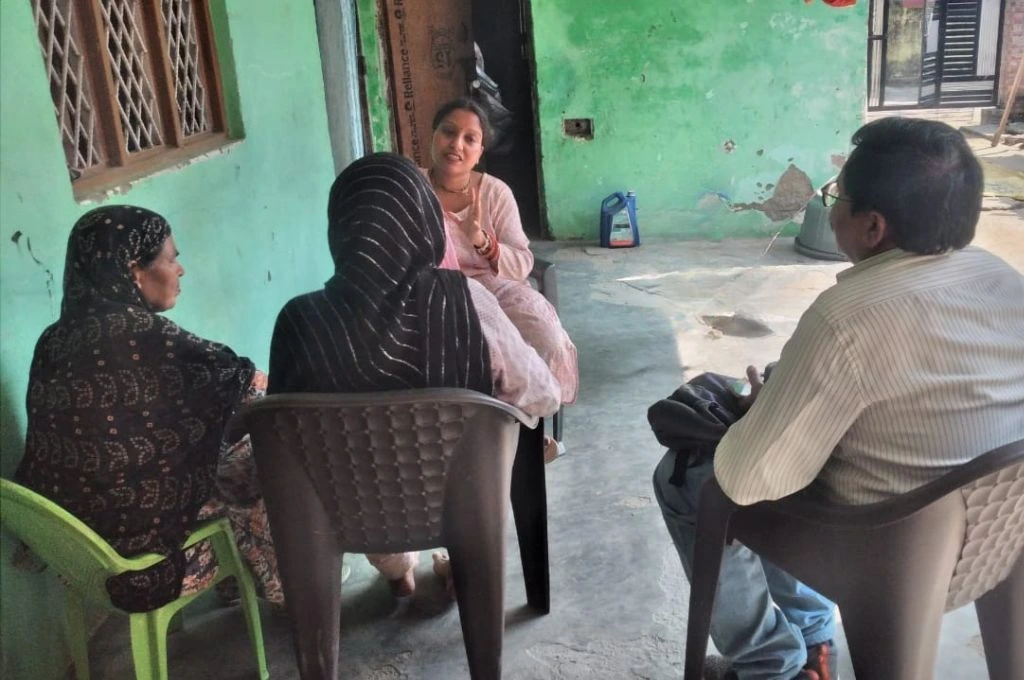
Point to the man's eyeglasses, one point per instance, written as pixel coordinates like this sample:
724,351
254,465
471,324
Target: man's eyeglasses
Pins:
830,195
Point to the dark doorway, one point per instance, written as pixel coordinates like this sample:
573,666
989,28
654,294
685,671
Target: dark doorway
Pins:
933,53
501,29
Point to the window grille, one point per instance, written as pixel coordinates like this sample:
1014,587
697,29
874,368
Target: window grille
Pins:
183,47
72,98
128,54
135,84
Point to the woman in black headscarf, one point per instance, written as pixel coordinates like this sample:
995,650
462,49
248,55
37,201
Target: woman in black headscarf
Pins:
389,319
126,411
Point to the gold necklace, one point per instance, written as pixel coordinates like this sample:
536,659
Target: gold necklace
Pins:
463,191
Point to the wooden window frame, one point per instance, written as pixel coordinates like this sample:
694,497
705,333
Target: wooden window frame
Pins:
119,166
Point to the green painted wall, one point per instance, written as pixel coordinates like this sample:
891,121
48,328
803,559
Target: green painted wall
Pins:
669,83
375,79
250,224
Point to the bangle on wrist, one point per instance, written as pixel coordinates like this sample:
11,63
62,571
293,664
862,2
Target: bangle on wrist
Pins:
489,249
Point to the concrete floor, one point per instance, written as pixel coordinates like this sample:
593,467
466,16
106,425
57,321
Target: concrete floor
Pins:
1004,173
618,592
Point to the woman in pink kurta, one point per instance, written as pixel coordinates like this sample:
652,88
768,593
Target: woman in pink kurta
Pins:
486,239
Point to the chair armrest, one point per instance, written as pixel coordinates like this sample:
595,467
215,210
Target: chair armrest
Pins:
809,508
547,282
205,530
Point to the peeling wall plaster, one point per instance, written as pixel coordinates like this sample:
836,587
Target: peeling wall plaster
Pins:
789,196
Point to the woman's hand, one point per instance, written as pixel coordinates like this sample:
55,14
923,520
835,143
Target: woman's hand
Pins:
471,226
259,382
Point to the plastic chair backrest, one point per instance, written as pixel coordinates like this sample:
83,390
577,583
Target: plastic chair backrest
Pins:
380,462
994,538
64,542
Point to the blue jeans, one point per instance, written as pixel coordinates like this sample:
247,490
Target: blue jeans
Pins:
763,620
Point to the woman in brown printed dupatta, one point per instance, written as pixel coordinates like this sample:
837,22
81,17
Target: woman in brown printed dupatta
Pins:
126,412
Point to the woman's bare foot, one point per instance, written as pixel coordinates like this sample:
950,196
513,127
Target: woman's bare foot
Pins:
443,569
404,586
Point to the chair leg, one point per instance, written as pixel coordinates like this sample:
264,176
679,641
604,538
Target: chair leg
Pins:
78,634
474,521
893,627
1001,618
227,553
712,530
177,623
478,569
309,562
530,509
149,645
881,647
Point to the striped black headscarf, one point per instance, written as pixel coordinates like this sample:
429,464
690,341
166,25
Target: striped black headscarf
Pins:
389,318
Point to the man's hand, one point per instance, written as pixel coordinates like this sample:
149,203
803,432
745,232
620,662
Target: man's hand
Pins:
754,377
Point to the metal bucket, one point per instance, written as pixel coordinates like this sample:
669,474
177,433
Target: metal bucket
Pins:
816,238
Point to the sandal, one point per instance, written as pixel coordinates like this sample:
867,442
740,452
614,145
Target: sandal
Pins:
552,449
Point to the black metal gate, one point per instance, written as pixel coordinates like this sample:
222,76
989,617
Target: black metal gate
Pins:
933,53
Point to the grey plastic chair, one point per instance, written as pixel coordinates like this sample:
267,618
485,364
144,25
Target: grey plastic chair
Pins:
546,282
391,472
893,567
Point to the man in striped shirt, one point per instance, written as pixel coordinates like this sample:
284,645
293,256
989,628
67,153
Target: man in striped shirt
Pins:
911,365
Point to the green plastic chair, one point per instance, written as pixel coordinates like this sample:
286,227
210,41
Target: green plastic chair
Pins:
86,561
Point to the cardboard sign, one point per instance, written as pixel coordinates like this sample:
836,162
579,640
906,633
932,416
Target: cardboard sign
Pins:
431,49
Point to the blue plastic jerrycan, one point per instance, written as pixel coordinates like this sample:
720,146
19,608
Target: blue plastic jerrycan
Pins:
619,228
